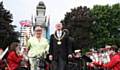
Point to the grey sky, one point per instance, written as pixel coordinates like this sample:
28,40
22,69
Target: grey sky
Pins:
56,9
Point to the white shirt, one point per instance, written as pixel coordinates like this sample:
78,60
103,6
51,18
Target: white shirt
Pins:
59,33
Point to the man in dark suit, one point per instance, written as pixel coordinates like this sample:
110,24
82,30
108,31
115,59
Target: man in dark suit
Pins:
60,49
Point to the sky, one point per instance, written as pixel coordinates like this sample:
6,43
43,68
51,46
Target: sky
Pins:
56,9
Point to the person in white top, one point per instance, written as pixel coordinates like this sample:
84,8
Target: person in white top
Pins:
38,46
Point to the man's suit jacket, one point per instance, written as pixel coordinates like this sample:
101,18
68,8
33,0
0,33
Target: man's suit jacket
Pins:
61,50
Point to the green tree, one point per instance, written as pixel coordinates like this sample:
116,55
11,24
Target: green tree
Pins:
106,27
7,33
78,22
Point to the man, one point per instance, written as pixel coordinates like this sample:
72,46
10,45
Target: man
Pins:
60,49
38,46
114,63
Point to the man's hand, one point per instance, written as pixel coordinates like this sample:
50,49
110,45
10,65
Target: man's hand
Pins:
70,56
50,57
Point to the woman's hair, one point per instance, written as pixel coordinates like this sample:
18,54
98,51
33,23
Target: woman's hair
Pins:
13,46
37,26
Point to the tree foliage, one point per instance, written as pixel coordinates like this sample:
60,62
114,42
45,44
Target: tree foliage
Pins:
78,22
7,33
94,27
106,27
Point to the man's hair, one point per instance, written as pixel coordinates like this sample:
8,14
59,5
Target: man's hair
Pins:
37,26
115,48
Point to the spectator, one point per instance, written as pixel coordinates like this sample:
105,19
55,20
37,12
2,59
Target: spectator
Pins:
14,57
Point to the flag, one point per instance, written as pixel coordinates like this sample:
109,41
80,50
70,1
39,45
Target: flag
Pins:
25,23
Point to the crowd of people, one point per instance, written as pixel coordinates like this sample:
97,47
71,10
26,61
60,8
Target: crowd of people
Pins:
57,54
107,58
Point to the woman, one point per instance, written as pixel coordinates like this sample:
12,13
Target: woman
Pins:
13,57
37,46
